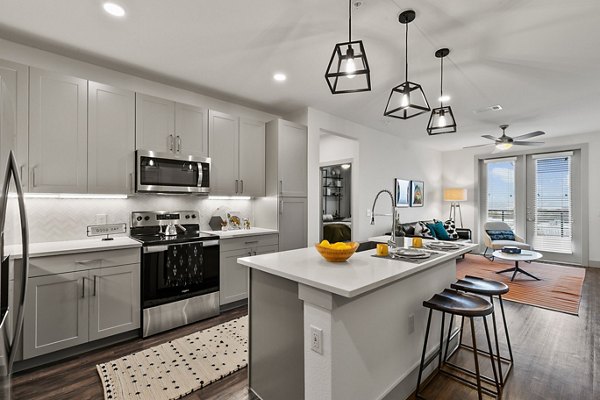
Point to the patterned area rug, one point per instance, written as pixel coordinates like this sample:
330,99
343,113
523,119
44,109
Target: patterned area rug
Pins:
559,288
177,368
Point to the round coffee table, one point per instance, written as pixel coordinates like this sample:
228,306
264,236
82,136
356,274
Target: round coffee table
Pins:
525,255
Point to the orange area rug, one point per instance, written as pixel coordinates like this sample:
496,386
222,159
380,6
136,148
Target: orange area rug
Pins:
559,288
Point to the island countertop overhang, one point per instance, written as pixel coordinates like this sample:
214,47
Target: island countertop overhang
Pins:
360,274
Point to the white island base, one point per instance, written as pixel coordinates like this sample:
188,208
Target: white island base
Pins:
364,308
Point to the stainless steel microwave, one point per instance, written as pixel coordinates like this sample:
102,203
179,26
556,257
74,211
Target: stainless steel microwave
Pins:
171,173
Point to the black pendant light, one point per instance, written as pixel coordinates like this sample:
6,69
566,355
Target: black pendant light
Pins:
406,100
442,118
348,70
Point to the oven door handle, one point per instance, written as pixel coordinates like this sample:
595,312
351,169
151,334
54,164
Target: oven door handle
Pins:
155,249
206,243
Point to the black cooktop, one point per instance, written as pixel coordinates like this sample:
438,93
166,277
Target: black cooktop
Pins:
152,235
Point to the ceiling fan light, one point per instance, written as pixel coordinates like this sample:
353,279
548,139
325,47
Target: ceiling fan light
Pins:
441,121
348,70
504,146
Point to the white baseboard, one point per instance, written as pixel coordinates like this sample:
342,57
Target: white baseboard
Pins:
594,264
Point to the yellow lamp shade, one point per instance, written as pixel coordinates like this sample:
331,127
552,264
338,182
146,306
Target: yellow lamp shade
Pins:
455,194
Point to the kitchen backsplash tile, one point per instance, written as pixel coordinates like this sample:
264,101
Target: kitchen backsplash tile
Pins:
66,219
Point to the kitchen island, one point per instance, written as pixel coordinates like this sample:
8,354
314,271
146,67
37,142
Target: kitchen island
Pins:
351,330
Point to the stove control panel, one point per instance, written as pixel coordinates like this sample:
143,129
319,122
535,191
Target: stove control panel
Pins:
161,218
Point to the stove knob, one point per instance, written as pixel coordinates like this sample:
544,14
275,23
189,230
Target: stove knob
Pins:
187,217
146,218
139,218
193,215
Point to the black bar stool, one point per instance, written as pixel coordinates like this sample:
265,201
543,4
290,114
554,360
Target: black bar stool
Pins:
489,288
454,303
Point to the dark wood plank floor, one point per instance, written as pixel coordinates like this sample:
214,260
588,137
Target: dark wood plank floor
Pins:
557,356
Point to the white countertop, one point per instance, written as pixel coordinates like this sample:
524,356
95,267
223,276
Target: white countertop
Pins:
242,232
360,274
72,246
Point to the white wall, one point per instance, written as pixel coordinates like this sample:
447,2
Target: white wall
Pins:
460,171
381,158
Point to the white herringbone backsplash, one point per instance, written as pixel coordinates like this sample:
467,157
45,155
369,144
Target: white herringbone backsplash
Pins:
67,219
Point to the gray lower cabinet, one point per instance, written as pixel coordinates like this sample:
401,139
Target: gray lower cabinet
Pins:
234,277
115,300
56,313
77,298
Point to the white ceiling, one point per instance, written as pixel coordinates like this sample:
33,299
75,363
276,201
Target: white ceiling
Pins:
539,59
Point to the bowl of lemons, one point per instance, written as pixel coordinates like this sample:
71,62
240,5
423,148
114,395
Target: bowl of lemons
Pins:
336,252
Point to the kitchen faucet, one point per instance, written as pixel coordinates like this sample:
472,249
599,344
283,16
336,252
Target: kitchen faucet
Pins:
392,241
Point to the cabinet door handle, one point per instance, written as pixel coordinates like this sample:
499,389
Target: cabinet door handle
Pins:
95,282
131,183
33,180
251,242
280,207
242,186
281,186
254,252
170,142
236,185
250,253
178,143
83,288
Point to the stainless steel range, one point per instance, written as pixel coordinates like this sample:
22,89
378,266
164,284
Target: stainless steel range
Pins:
180,269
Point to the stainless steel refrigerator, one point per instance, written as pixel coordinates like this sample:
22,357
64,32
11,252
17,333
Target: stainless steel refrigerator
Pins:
11,315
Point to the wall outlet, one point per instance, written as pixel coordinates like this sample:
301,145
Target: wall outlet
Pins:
411,323
101,219
316,339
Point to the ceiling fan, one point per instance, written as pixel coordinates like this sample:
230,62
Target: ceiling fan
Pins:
505,142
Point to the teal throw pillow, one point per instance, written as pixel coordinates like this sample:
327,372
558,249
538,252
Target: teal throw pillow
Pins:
439,231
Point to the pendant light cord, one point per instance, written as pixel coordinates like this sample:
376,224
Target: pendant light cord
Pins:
406,53
349,21
442,82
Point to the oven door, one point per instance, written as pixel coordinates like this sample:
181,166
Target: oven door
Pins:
171,173
179,271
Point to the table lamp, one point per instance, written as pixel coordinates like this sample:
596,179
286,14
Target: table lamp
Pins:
455,196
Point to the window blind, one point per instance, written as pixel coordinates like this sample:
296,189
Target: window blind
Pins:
553,212
501,191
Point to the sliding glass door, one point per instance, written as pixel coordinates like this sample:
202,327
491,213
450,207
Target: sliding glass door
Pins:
553,205
539,197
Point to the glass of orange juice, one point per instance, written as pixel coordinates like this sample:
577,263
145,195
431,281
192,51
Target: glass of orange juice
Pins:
382,249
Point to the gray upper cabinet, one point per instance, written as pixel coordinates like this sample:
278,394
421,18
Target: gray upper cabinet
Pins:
57,133
191,124
167,126
293,159
252,158
223,144
114,301
111,122
14,115
56,313
287,159
237,152
155,123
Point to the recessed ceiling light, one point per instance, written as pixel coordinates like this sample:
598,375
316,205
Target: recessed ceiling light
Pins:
279,77
444,98
114,9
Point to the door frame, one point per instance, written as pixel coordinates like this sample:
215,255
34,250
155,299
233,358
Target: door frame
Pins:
353,183
521,197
